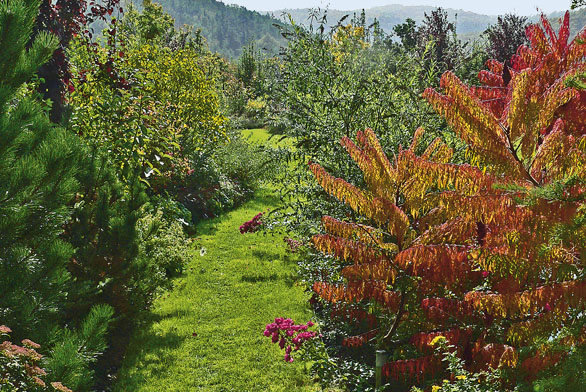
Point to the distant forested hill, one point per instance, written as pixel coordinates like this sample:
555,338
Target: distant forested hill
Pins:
467,23
227,28
391,15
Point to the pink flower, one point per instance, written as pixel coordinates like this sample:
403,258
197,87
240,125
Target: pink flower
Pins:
284,330
252,225
60,387
30,344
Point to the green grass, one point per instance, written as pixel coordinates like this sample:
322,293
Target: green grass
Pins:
262,136
206,333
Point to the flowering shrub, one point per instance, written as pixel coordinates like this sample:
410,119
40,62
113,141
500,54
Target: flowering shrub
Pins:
289,335
252,225
293,244
19,367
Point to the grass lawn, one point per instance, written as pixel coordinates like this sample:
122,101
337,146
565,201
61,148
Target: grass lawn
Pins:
206,334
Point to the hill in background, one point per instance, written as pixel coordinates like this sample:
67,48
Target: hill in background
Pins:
468,24
227,28
392,15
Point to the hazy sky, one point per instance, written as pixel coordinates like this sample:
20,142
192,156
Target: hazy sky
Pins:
490,7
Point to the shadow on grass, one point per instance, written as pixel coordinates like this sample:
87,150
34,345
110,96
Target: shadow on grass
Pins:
288,279
260,278
149,346
266,255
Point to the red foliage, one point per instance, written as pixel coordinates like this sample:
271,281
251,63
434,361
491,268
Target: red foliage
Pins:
473,250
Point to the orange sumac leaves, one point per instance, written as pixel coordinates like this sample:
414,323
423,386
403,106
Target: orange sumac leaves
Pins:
488,254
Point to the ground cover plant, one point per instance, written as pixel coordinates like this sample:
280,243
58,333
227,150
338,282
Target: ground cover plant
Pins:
490,255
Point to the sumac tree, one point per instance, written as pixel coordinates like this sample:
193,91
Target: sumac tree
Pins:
489,255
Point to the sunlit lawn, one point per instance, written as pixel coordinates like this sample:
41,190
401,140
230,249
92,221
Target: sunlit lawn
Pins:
206,334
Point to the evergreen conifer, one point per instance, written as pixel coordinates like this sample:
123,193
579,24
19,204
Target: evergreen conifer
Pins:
37,181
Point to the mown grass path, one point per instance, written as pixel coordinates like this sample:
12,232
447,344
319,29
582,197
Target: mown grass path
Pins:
206,333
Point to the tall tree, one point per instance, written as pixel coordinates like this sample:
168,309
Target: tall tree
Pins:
505,36
489,255
407,33
436,28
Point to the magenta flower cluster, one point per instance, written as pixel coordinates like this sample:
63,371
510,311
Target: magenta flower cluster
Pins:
292,244
252,225
289,335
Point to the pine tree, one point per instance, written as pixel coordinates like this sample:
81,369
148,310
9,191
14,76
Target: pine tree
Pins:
37,167
489,255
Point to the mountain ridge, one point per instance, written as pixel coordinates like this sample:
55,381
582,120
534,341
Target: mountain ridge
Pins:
227,27
467,22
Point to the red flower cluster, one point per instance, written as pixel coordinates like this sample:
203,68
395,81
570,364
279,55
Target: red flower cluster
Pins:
252,225
287,333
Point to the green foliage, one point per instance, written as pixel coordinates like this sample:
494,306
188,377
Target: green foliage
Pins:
164,245
331,83
226,177
462,380
407,32
103,232
568,376
76,350
42,168
170,106
250,68
37,167
150,24
392,15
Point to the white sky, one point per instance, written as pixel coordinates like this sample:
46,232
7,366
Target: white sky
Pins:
489,7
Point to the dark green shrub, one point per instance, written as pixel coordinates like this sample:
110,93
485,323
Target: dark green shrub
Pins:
103,232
